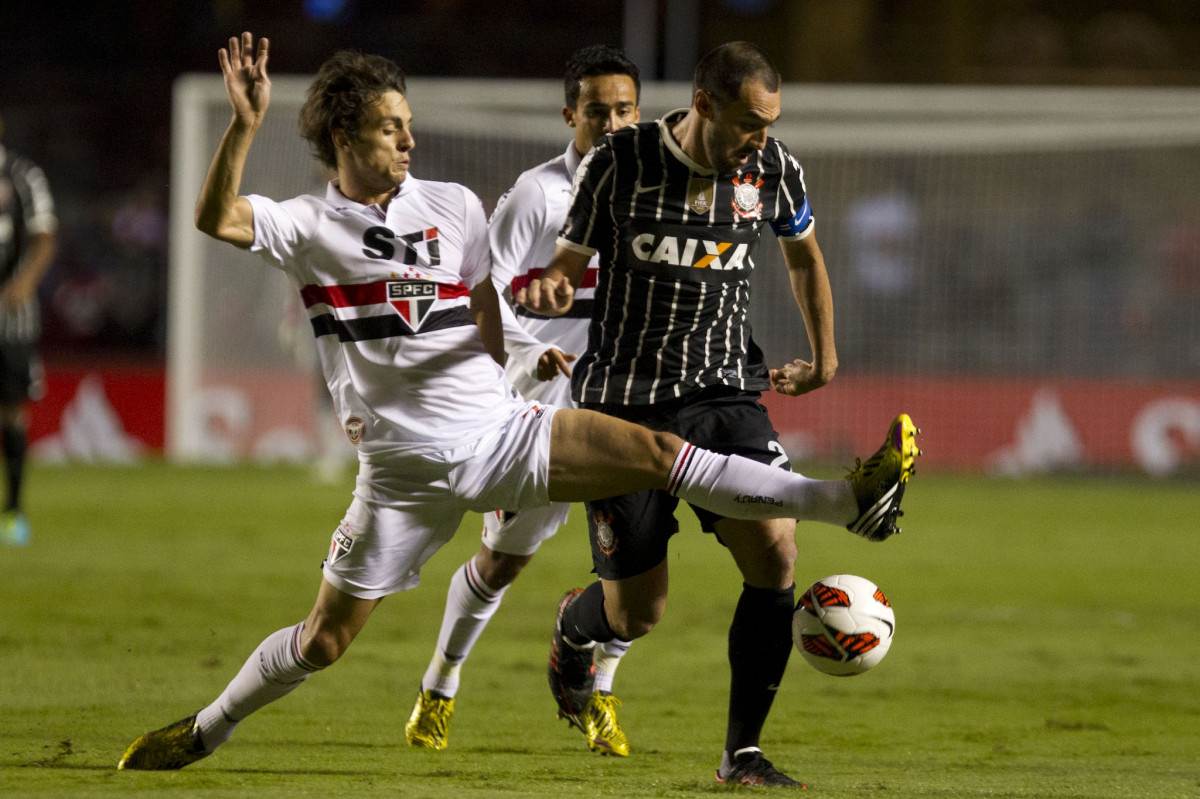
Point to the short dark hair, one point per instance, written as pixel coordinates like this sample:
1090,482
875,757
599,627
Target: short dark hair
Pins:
345,85
723,71
597,59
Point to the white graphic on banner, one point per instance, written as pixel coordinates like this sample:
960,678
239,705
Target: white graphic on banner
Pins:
1044,440
1163,433
90,431
226,415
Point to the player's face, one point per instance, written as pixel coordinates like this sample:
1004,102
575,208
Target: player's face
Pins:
736,130
606,103
378,158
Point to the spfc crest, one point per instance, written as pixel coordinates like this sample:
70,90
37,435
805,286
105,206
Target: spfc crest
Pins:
413,300
342,543
700,194
745,197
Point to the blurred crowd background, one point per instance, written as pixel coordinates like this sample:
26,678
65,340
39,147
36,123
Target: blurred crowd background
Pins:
86,92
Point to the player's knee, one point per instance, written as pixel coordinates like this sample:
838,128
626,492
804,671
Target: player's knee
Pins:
498,569
773,568
767,559
665,448
12,416
323,645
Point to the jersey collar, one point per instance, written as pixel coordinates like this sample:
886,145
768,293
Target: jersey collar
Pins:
334,196
572,159
665,124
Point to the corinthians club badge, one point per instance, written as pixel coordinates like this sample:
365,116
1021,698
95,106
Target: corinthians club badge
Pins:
606,538
745,197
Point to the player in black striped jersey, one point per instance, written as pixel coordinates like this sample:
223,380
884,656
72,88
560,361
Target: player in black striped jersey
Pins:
676,209
27,243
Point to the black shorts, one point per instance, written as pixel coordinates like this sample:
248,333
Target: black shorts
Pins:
629,533
20,373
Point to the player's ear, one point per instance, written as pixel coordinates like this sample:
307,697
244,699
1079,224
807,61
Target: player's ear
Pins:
568,115
703,103
341,139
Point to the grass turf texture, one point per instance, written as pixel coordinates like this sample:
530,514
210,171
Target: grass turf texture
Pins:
1046,647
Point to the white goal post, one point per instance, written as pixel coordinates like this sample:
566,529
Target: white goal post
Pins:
968,231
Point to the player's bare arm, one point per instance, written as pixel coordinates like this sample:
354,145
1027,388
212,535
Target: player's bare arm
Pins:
485,309
810,286
553,293
25,280
220,212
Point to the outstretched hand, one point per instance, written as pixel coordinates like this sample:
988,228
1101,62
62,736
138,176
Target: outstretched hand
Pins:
245,73
796,378
550,295
554,362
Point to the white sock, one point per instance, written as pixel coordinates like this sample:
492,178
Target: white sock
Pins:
470,605
740,488
606,657
274,670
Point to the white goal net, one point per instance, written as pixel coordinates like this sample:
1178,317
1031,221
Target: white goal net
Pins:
970,234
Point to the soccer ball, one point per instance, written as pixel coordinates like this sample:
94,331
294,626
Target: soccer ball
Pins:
843,625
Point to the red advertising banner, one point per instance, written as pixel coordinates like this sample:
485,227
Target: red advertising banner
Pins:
1005,426
115,413
111,413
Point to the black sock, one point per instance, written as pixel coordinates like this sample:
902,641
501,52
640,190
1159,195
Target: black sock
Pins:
585,621
13,439
760,642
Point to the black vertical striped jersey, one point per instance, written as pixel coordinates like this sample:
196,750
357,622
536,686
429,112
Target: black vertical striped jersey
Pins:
26,209
677,244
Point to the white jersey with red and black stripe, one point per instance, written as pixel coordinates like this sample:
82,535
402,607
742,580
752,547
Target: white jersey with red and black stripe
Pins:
523,232
388,295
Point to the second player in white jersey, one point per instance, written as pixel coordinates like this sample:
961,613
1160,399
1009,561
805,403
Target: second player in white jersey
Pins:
523,230
601,95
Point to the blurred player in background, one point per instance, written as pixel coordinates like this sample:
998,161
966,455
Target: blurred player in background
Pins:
675,209
27,243
601,95
395,274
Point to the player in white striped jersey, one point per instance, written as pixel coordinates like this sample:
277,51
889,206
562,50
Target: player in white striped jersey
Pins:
601,95
676,210
394,272
28,228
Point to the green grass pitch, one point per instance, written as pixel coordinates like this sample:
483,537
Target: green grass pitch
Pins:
1047,646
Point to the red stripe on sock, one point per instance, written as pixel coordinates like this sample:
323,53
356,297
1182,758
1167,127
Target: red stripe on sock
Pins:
300,661
476,584
682,462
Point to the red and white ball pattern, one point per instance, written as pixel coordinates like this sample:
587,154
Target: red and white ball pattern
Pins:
843,625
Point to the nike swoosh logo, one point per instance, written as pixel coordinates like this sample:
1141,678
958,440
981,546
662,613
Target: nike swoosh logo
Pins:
644,189
773,687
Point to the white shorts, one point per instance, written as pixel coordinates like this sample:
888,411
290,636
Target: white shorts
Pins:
522,533
408,507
